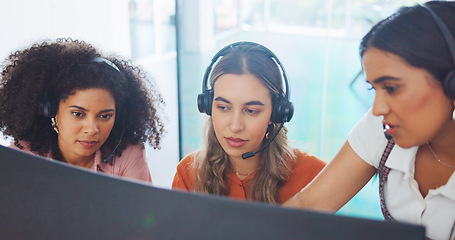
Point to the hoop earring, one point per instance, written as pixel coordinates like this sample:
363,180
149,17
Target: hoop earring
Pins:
54,125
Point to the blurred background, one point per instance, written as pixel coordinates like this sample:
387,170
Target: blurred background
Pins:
174,41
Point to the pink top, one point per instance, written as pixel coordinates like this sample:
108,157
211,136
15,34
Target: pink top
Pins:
132,163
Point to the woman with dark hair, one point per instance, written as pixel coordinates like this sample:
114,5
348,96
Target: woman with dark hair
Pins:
409,59
65,101
244,103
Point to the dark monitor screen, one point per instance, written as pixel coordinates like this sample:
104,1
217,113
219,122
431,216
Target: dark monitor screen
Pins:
42,199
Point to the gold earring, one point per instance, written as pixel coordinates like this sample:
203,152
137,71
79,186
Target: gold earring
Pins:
54,125
453,113
269,129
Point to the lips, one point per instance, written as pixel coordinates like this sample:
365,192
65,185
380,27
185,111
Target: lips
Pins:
87,144
390,129
235,142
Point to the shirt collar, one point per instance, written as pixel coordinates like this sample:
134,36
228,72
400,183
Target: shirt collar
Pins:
402,159
449,189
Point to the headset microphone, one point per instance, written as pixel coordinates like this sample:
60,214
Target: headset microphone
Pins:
109,157
250,154
385,133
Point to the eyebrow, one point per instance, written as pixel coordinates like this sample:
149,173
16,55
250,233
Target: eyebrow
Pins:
254,103
86,110
222,99
384,78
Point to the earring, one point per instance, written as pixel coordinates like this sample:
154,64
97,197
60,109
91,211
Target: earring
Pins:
54,125
453,113
269,129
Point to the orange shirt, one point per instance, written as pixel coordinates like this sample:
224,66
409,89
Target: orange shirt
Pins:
306,168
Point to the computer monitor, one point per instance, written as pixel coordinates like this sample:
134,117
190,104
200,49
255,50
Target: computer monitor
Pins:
43,199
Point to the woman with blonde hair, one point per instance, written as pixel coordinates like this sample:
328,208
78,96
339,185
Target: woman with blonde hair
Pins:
247,155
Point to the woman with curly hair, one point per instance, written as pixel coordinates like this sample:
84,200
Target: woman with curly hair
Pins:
65,101
247,155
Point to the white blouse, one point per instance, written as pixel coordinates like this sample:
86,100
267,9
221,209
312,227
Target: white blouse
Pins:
405,203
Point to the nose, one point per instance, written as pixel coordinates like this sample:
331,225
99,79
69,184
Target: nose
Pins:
237,121
380,105
91,127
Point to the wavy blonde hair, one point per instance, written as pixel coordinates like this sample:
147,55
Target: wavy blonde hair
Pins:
276,161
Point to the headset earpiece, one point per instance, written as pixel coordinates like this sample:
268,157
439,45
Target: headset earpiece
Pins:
283,110
45,108
204,102
449,80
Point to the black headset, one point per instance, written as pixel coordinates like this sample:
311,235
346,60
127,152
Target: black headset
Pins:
449,80
46,110
283,108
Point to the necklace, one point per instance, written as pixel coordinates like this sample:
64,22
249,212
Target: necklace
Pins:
437,158
244,174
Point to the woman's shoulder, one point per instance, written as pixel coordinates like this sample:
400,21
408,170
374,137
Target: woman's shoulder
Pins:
134,147
132,155
305,169
132,152
22,145
188,160
368,130
304,159
367,138
185,176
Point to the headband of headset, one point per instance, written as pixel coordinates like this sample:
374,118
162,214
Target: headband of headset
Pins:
45,107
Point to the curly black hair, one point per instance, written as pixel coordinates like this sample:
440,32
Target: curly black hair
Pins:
49,72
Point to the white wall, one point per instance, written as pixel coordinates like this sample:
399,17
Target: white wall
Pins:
197,26
105,25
